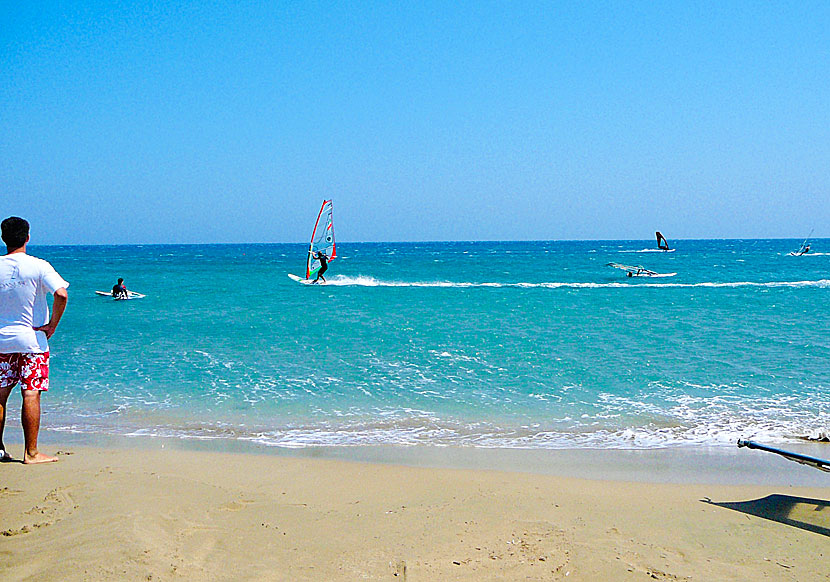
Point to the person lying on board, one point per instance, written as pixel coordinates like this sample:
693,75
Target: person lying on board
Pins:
119,291
324,264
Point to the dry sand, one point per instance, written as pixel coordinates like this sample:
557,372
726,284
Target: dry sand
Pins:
107,514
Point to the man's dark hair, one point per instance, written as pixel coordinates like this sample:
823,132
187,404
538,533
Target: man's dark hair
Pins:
15,232
120,280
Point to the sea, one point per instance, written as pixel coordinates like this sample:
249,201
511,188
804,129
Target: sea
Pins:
499,345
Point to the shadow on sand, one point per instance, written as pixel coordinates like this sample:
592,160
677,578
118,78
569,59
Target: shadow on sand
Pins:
801,512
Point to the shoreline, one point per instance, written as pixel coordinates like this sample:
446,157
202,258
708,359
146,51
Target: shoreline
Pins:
175,514
678,465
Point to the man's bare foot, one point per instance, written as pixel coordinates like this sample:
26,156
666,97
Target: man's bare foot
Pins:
38,458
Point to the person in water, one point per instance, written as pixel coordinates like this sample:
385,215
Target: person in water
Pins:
662,243
119,291
324,265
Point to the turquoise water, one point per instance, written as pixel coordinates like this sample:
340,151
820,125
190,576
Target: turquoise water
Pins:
521,344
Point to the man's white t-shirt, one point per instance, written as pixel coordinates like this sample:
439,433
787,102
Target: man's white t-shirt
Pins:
25,282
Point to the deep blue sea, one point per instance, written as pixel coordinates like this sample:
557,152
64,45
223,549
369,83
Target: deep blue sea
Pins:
484,344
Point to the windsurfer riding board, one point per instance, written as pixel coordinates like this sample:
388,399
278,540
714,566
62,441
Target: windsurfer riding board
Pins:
324,264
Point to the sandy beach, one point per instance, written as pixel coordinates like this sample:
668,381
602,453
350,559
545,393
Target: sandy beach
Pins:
132,514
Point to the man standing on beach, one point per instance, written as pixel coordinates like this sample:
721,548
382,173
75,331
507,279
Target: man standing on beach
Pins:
25,327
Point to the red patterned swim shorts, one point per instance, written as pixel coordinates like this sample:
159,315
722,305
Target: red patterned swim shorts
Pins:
31,370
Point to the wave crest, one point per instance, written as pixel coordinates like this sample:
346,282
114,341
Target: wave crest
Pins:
365,281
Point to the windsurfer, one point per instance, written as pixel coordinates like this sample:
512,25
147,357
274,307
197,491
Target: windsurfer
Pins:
324,264
662,243
641,271
804,251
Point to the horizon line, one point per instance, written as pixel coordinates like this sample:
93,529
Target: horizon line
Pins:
600,240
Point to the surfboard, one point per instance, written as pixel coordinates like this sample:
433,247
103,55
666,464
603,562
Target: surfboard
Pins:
294,277
130,295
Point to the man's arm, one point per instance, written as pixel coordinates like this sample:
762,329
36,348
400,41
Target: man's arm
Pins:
58,307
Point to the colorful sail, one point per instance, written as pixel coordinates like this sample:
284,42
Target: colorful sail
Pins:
322,240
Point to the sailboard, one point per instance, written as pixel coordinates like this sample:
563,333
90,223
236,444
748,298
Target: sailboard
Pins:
639,271
294,277
804,248
130,295
662,239
814,462
322,241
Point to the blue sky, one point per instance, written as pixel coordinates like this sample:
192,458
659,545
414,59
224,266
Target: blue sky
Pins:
230,122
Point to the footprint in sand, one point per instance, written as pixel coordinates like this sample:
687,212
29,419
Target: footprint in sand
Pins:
56,505
399,570
235,505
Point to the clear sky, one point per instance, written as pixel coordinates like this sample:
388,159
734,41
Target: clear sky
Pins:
231,121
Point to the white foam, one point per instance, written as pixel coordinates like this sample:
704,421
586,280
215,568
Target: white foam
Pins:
364,281
682,420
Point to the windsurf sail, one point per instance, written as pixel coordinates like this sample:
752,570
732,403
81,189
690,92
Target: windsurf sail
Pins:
805,247
814,462
322,240
662,243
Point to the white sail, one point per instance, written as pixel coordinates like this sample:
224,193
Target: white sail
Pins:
322,240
